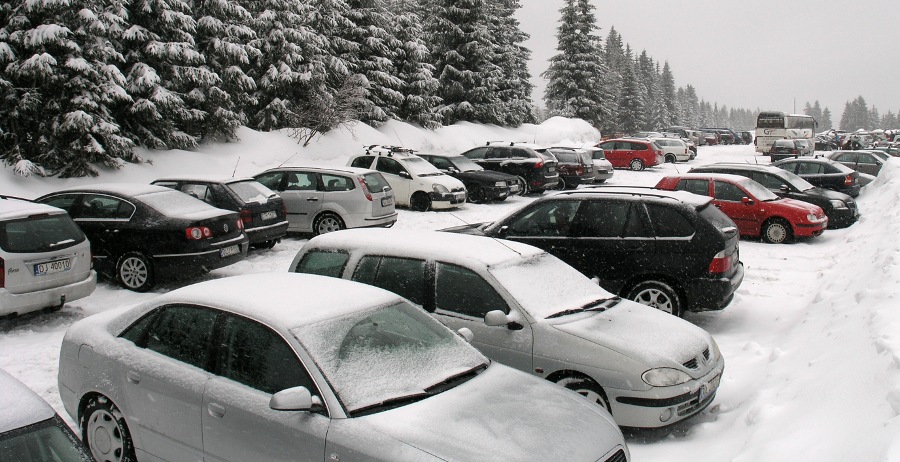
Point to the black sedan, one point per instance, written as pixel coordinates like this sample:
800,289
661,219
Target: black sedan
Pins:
482,185
141,234
261,210
824,173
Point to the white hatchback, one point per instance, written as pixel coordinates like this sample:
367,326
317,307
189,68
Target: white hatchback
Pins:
673,149
45,259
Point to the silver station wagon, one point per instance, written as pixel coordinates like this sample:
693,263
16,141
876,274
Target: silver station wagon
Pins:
320,200
531,311
295,367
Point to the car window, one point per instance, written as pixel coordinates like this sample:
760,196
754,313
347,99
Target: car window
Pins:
700,187
375,182
609,218
638,147
323,263
62,201
727,192
550,218
182,333
390,166
254,355
809,168
461,290
441,163
250,191
846,157
362,162
866,159
336,182
607,147
198,190
477,153
271,180
769,181
403,276
498,153
45,441
301,181
94,206
669,221
39,233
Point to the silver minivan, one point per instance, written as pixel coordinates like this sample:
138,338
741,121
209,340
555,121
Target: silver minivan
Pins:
45,259
324,199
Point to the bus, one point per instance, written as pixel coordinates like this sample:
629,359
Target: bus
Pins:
771,126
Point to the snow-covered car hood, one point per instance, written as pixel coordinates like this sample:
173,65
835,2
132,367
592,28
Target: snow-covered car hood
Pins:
503,414
640,332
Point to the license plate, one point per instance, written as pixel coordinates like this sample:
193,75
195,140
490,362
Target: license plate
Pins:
50,267
387,200
229,251
514,188
270,215
709,387
551,169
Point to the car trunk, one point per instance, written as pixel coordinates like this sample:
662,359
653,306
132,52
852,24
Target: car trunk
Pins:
260,206
43,252
381,192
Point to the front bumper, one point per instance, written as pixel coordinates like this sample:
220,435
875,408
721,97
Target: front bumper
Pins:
842,218
47,298
711,294
447,200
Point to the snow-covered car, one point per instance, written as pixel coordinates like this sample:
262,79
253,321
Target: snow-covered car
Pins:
603,169
286,367
416,183
531,311
30,430
45,259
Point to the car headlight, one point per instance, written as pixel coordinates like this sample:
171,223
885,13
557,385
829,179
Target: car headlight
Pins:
838,204
440,189
664,377
715,350
812,217
500,184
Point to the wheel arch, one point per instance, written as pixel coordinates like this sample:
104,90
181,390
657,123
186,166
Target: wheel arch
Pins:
632,282
558,375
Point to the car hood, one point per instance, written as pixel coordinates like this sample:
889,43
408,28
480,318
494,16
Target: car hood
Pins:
642,333
485,175
827,194
476,229
502,414
797,205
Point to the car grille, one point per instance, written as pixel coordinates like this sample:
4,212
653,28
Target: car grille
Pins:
619,456
694,405
694,363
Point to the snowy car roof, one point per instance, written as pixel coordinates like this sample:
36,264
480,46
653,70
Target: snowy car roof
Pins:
124,189
21,406
683,196
446,247
11,208
723,176
205,178
344,169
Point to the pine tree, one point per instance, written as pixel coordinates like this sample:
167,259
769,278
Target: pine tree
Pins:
420,87
631,101
514,86
846,117
826,123
667,90
691,108
58,80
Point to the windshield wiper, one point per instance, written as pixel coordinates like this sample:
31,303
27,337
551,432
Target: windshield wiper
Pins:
597,305
456,379
390,404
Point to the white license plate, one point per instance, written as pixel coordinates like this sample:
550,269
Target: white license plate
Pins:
709,387
50,267
387,200
229,251
514,188
271,215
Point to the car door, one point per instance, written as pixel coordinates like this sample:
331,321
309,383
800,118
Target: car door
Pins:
847,158
729,198
398,177
164,377
545,225
462,298
106,220
868,163
303,198
252,362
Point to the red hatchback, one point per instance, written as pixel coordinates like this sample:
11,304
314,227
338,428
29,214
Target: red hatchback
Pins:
634,154
755,210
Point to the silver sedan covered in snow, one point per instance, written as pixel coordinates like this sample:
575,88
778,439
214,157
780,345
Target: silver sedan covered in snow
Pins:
281,367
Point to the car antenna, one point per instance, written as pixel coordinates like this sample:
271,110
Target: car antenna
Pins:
494,238
289,158
234,172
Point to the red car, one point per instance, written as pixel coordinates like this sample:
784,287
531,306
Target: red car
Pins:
632,153
757,211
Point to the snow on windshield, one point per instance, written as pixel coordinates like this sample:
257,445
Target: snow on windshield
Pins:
175,203
385,353
544,285
419,166
759,191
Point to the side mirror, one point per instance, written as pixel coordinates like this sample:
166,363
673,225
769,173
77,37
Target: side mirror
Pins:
784,188
498,318
453,170
405,174
503,232
466,334
746,200
295,399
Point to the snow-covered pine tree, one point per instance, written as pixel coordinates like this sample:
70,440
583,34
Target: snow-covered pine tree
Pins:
58,81
826,123
163,66
225,39
514,87
631,100
691,107
614,59
412,61
575,77
667,89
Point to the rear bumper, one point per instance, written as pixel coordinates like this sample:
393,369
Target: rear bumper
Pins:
169,266
33,301
710,294
267,232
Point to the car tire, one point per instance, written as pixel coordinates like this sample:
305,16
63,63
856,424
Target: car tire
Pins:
777,231
670,159
265,244
559,186
588,388
105,433
328,223
523,186
420,202
659,295
636,165
476,194
134,271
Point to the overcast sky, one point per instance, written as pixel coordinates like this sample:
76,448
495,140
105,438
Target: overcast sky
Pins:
750,53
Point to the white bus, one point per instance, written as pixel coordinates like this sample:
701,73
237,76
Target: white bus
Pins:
771,126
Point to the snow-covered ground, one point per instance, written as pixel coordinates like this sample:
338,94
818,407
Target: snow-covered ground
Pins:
811,340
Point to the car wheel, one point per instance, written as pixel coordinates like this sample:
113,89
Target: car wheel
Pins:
559,186
657,294
523,186
266,244
134,271
420,202
105,433
637,165
476,194
327,223
670,159
777,231
587,388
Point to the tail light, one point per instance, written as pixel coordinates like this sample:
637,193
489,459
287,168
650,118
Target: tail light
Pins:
240,224
720,263
848,180
283,210
246,216
195,233
539,164
364,187
579,170
2,273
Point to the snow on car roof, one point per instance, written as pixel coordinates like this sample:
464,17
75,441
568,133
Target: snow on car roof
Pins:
206,178
683,196
344,169
21,406
285,299
11,208
447,247
700,175
124,189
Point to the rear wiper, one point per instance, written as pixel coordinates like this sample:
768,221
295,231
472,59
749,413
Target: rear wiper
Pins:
597,305
56,244
456,379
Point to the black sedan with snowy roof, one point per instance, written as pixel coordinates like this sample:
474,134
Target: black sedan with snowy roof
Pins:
482,185
141,234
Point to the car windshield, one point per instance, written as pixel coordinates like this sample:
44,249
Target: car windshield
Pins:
40,233
251,191
390,354
45,441
420,167
558,288
795,180
880,154
464,164
758,191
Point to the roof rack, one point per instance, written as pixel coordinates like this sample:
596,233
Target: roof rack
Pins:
376,149
4,196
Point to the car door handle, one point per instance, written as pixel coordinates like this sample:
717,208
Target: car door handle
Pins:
216,410
312,199
133,377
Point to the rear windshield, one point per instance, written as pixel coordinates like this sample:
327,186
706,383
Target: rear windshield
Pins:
39,233
375,182
173,203
251,191
716,217
566,157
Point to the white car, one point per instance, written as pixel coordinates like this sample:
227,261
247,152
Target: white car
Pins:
603,169
531,311
293,367
416,183
45,259
674,150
